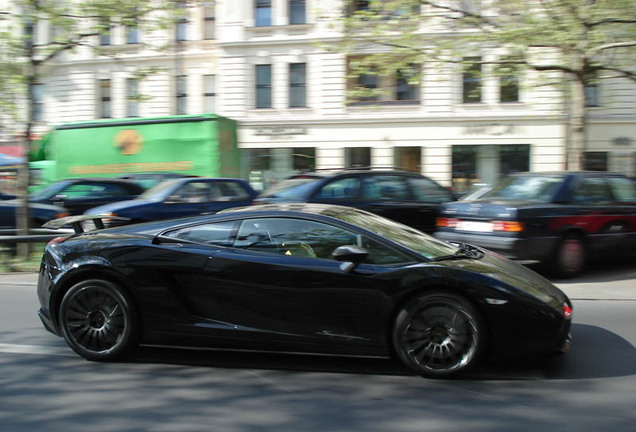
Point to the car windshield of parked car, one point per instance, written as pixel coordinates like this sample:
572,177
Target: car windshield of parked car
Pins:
290,189
48,191
423,244
527,188
160,190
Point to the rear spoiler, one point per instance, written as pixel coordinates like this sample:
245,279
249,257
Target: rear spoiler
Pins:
76,222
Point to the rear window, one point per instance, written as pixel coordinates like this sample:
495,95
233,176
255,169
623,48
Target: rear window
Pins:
526,188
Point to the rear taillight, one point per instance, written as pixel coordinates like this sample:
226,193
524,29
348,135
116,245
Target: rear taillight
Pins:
567,311
507,226
446,222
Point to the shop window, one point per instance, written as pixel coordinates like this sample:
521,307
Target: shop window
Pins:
464,168
514,158
357,157
304,159
595,161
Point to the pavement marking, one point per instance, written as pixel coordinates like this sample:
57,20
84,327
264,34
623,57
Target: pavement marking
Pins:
35,350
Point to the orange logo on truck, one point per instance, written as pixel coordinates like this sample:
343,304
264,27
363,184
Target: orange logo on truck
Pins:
129,141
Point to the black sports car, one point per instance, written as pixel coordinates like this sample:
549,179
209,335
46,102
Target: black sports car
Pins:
296,277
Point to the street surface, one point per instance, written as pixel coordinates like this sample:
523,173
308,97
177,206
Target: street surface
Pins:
44,386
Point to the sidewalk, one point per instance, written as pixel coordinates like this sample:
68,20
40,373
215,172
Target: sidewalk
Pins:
615,284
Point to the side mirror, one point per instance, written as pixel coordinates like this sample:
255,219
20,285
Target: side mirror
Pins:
350,256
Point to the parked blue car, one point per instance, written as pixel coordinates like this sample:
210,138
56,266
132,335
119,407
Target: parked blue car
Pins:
181,197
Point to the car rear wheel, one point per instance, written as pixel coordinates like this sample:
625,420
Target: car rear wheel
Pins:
569,258
438,335
98,320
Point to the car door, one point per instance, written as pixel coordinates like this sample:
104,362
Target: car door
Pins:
281,284
428,197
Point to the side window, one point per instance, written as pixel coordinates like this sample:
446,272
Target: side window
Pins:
80,190
592,191
381,254
623,190
216,234
345,188
426,190
385,188
193,192
230,191
309,239
293,237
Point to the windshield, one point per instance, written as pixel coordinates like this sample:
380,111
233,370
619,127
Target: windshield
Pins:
526,187
160,190
48,191
423,244
290,189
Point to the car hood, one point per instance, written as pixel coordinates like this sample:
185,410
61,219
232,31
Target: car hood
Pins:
513,276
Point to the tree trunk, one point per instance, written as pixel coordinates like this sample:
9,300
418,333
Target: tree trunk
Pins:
575,152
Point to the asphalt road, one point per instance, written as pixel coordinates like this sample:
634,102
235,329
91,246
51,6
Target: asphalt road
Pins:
44,386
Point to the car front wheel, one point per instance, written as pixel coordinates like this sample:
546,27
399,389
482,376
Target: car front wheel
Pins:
98,320
438,335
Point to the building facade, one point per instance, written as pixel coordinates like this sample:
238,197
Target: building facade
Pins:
267,64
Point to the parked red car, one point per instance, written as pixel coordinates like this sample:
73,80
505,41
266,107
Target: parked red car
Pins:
562,218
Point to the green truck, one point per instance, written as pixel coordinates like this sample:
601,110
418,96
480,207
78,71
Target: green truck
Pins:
198,145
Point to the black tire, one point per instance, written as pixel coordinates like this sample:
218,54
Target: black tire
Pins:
569,257
438,335
98,320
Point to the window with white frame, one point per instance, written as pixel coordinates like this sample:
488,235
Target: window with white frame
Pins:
209,93
132,97
297,85
263,13
297,12
592,97
508,84
181,95
209,21
264,86
181,29
104,109
401,86
105,28
37,102
132,35
472,80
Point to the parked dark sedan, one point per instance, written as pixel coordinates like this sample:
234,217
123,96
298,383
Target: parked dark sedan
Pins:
403,196
297,277
181,197
77,195
39,213
562,218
